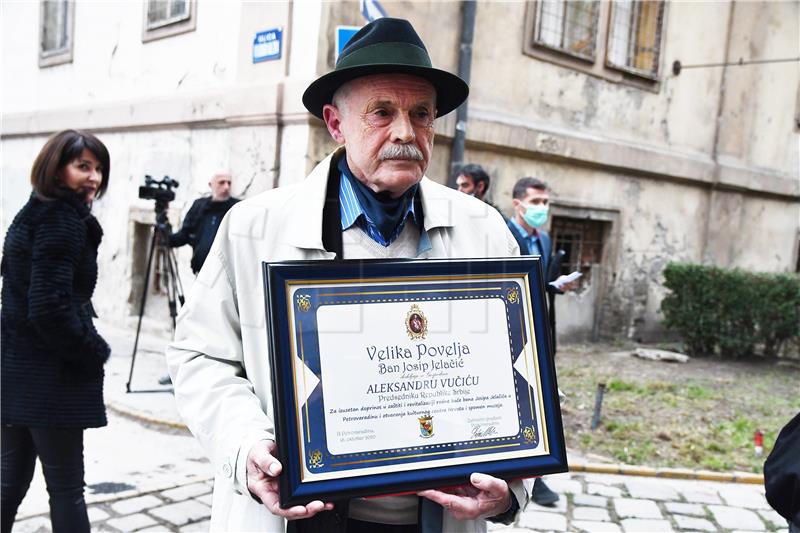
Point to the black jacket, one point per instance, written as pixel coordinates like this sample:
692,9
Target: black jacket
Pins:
782,473
200,227
52,356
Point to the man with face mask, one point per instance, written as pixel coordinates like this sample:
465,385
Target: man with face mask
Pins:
531,201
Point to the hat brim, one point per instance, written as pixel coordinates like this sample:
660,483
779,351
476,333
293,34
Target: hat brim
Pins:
451,91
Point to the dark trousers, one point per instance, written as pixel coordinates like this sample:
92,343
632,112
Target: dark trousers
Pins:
61,454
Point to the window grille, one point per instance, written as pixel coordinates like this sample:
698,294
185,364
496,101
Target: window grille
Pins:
56,32
582,240
567,26
162,13
634,37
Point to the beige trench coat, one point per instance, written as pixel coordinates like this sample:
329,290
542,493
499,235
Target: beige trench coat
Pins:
219,359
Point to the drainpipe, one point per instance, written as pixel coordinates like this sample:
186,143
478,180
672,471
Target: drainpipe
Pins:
708,257
468,8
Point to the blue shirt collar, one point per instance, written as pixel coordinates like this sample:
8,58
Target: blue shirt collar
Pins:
352,213
522,231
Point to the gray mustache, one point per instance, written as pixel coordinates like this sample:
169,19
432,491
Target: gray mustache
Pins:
401,151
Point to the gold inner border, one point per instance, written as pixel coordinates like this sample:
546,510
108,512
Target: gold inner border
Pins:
305,384
289,285
546,442
525,356
381,459
404,292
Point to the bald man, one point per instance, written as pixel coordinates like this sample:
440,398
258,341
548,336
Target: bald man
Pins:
201,222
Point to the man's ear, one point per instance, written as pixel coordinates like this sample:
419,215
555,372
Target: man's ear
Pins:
332,117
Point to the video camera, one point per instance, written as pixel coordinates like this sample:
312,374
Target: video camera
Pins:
158,190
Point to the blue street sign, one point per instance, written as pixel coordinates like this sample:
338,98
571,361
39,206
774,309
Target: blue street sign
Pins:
344,34
267,45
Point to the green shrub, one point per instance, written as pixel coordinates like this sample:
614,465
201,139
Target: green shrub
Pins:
731,312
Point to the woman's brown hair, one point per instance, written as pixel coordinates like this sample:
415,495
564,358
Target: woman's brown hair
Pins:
60,150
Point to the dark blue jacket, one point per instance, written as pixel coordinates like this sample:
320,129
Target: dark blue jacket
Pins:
200,227
52,356
544,244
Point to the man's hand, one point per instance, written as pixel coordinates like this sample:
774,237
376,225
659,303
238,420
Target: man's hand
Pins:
263,470
487,496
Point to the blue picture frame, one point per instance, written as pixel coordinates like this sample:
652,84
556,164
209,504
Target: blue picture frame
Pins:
295,294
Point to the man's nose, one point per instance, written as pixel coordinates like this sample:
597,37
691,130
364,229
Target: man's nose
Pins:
402,129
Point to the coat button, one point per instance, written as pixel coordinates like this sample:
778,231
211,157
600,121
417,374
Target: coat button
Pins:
227,470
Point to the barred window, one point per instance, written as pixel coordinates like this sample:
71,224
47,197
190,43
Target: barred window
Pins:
617,40
582,242
634,37
570,27
163,12
164,18
56,32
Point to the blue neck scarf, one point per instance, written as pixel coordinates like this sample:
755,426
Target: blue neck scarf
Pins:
385,213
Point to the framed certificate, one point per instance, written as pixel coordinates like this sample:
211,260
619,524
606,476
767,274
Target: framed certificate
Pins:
397,376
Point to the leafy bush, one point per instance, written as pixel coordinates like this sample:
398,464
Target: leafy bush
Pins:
731,312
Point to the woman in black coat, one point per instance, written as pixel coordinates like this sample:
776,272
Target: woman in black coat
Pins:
52,356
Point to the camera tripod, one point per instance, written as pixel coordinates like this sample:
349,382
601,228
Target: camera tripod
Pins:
161,252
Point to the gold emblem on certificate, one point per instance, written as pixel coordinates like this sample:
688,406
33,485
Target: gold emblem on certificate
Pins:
416,323
426,426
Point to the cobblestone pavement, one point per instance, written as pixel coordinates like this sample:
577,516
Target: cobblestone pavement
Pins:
589,502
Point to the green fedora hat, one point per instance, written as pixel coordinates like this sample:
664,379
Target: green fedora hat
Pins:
386,46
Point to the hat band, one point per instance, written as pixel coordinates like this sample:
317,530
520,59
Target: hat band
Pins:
386,53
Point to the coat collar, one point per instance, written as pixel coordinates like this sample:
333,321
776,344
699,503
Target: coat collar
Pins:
306,206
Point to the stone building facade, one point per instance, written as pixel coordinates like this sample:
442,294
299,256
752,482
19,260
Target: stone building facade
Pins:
646,165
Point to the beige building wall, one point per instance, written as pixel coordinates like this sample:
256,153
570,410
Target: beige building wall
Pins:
186,106
700,166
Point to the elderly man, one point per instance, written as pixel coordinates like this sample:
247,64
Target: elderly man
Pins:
369,199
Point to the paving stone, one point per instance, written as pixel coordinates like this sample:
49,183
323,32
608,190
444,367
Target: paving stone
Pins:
596,527
631,508
591,501
206,499
542,521
636,525
96,514
32,525
696,496
734,517
182,513
772,518
198,527
695,524
132,522
187,491
135,505
565,486
651,490
605,479
604,490
685,508
747,497
590,513
559,507
103,528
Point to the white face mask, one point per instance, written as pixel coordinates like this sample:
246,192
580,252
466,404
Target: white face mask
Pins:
536,215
